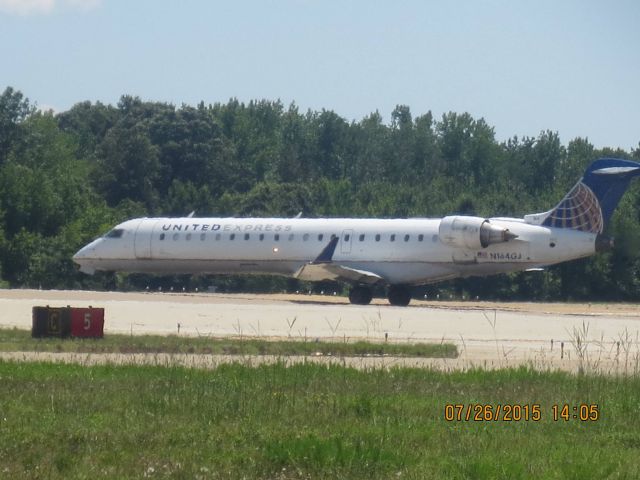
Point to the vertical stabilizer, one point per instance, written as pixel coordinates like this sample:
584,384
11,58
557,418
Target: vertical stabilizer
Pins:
590,203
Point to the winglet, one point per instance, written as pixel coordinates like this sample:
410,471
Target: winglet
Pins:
326,255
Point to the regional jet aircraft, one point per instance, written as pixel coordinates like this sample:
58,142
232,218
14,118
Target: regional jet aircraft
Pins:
397,253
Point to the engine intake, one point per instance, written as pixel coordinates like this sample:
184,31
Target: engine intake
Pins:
472,232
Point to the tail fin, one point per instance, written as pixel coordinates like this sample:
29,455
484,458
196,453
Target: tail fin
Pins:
590,203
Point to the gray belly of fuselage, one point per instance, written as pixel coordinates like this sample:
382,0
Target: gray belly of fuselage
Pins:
412,273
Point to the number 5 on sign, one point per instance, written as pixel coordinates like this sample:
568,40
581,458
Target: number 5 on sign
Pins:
87,320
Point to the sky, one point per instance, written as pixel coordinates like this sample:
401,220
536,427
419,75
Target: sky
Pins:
569,66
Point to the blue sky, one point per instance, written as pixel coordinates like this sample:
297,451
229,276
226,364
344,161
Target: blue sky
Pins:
569,66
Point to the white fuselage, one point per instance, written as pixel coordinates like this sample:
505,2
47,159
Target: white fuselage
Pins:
400,251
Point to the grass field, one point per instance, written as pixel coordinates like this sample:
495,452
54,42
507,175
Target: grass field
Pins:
307,421
15,340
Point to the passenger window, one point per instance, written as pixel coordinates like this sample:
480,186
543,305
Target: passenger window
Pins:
162,236
261,237
420,237
246,236
362,237
291,236
434,238
393,237
276,237
377,237
305,237
333,235
202,237
217,236
347,237
232,236
176,236
188,236
320,237
406,238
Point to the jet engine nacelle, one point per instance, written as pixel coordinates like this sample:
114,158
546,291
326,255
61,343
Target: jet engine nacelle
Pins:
471,232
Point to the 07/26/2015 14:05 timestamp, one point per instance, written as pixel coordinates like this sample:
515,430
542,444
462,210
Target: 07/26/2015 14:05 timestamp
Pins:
528,412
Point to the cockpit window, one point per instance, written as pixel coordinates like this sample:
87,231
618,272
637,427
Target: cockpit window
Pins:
115,233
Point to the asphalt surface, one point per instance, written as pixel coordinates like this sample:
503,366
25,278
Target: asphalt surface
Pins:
547,336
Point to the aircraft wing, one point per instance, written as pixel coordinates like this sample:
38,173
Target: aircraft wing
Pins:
324,268
333,271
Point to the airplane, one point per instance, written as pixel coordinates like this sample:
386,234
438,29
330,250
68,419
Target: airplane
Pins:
397,253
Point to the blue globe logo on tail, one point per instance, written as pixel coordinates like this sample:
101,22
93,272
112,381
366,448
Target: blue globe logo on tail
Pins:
579,210
591,202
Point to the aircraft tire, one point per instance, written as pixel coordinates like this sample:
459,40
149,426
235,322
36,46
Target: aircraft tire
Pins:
399,295
360,295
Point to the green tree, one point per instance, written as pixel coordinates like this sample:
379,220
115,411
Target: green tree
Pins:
67,178
42,184
14,109
465,145
88,123
400,152
369,137
129,166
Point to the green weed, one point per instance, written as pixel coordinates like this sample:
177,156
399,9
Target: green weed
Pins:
307,421
20,340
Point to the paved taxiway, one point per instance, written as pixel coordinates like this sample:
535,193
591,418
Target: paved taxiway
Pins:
564,336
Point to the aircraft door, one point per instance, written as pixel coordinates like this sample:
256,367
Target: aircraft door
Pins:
142,241
345,243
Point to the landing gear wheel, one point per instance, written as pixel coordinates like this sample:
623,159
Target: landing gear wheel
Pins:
360,295
399,295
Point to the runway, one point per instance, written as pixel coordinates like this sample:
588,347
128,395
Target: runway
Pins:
492,335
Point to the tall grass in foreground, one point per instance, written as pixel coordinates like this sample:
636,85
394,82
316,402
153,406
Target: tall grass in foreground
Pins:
306,421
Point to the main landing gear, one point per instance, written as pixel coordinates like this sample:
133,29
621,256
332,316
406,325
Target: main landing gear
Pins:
398,295
360,295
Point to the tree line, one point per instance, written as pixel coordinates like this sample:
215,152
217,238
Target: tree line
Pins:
66,178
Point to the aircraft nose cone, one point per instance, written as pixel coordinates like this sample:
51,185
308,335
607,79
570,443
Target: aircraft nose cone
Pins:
80,255
83,258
